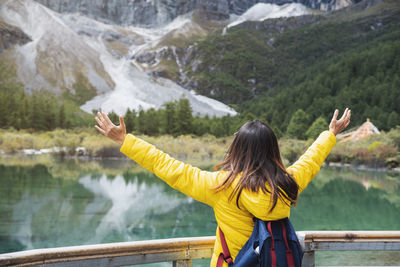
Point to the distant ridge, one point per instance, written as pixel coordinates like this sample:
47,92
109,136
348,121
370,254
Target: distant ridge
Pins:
150,13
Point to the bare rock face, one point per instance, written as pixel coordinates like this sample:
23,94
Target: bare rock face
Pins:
10,36
151,13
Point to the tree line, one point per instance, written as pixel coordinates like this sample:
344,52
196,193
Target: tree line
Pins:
39,111
174,118
43,111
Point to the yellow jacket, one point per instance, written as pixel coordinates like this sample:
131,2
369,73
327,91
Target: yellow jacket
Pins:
237,224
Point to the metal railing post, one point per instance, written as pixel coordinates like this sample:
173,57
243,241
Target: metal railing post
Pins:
182,263
309,259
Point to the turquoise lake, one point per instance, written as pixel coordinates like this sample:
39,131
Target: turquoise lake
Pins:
40,208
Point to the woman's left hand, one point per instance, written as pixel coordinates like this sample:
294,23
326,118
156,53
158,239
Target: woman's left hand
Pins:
109,129
336,126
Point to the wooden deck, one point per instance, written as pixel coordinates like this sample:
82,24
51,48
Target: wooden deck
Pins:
181,251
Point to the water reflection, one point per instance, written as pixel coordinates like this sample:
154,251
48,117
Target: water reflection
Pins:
131,201
339,200
39,209
23,217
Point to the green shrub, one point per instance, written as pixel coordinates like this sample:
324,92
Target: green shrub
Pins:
292,149
394,136
316,128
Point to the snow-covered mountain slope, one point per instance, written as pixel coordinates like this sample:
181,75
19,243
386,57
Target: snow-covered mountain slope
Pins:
261,11
134,88
57,57
71,51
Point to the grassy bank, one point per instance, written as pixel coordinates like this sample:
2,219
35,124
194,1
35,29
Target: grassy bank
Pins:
88,143
376,151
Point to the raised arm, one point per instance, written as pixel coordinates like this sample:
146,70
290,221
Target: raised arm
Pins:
308,165
188,179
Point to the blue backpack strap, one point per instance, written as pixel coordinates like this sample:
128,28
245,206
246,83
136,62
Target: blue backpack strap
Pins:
291,233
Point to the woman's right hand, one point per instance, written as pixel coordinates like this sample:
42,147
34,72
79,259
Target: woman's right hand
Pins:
336,126
109,129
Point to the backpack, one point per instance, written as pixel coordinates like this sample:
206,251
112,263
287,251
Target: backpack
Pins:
272,244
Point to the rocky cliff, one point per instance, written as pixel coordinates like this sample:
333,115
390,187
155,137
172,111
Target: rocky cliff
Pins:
152,13
10,36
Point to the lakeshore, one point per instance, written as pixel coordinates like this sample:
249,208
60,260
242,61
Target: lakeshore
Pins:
362,167
377,152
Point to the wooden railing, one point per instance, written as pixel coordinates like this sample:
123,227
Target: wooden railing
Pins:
181,251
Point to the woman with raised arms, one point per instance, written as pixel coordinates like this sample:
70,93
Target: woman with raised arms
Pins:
250,182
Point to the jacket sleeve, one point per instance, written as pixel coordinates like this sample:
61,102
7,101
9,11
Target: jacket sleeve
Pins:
187,179
308,165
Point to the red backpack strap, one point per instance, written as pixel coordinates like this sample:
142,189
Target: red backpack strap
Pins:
289,255
273,255
225,255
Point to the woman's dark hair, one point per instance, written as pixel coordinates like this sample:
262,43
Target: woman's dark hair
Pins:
254,153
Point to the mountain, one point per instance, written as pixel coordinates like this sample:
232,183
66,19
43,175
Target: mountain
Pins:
156,13
103,54
85,51
79,58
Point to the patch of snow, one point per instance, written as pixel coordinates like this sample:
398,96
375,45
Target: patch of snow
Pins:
44,150
341,4
34,151
153,36
179,63
214,104
262,11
